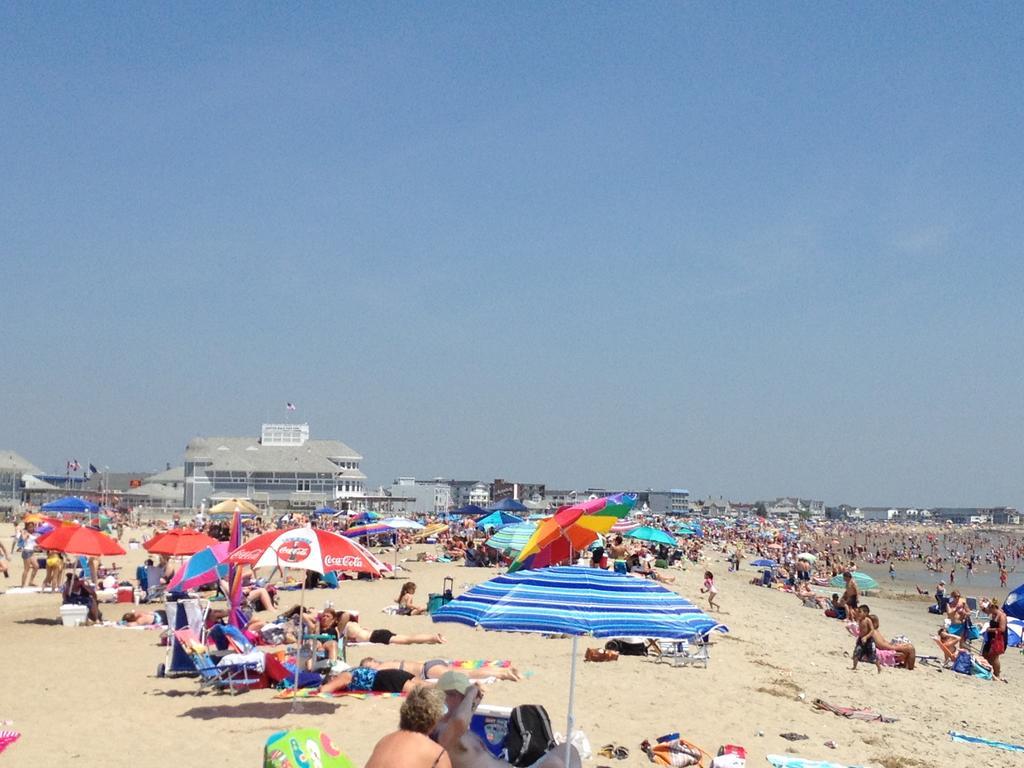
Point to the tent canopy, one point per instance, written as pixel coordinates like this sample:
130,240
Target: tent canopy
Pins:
70,504
508,505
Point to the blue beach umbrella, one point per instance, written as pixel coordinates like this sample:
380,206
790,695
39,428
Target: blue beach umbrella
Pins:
574,600
512,538
765,562
497,519
508,505
655,535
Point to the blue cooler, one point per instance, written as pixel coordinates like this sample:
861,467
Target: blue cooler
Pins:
491,725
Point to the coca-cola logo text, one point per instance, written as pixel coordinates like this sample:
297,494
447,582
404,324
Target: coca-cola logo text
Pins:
345,561
245,554
294,550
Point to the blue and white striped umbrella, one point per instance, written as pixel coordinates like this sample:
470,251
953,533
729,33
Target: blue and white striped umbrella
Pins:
573,600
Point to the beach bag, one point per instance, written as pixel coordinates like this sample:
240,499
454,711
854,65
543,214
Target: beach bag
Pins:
963,664
529,734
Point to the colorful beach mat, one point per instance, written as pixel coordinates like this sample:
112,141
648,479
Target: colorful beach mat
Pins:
786,761
303,747
308,693
965,739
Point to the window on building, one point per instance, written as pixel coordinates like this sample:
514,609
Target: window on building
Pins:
302,486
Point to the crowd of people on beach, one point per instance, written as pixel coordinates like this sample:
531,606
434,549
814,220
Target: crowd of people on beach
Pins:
441,694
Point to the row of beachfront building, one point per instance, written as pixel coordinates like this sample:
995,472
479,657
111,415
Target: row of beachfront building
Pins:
284,468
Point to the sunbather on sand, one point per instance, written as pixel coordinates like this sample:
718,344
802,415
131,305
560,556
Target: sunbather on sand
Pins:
359,634
432,669
145,618
906,654
367,680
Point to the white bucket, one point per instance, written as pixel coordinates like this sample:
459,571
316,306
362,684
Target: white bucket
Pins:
73,615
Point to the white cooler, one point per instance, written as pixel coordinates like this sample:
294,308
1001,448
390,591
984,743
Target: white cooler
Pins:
73,615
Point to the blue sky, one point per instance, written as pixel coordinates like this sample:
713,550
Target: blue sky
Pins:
749,249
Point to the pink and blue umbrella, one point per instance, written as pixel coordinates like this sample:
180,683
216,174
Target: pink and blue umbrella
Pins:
204,567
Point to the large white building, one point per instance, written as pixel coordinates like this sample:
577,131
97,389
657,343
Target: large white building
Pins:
282,468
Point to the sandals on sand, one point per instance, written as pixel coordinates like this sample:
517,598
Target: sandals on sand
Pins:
613,750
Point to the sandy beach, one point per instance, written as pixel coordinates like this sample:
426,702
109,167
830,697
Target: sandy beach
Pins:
89,695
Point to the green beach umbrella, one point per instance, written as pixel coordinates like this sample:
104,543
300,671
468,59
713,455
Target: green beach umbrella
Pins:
655,535
863,581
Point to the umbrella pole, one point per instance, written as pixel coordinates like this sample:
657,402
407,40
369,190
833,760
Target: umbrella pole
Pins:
302,642
571,719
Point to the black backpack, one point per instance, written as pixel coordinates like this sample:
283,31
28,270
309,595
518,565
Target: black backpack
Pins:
529,734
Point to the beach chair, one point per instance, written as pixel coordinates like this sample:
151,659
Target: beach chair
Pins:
684,652
230,677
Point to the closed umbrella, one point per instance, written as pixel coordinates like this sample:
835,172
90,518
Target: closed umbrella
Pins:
577,601
653,535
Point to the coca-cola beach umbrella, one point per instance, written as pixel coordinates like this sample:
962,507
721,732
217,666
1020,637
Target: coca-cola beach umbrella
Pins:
308,549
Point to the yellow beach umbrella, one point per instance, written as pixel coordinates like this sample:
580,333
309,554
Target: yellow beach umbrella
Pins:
229,505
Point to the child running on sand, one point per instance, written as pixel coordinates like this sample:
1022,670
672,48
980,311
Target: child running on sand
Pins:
711,590
864,650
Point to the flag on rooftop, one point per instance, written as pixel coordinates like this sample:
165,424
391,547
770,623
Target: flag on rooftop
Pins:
290,406
93,470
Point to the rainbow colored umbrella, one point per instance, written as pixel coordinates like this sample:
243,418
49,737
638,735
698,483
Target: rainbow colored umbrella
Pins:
370,529
570,530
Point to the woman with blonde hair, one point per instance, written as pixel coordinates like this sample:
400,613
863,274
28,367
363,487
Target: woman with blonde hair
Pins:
411,746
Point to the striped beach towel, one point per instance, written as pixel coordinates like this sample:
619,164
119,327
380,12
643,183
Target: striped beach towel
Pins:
308,693
481,663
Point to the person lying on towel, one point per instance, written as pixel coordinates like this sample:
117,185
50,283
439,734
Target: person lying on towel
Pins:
432,669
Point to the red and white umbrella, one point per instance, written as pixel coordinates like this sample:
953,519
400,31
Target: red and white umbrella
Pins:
309,549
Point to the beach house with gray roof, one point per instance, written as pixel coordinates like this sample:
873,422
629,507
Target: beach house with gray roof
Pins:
13,468
282,468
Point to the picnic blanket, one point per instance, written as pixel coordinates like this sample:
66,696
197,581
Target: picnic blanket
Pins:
965,739
853,713
309,693
787,761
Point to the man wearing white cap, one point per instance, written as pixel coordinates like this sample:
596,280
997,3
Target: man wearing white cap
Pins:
464,747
